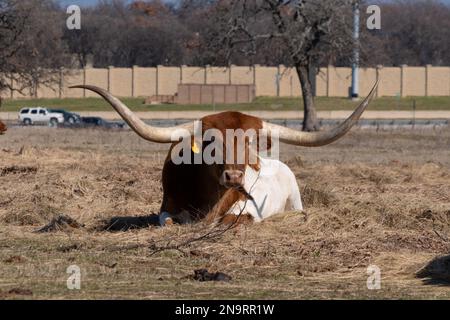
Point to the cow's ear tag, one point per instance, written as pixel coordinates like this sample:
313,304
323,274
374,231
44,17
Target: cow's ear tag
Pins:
195,148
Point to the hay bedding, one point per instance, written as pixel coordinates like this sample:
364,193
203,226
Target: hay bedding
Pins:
391,196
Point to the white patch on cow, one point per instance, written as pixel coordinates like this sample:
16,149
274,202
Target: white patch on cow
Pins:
274,190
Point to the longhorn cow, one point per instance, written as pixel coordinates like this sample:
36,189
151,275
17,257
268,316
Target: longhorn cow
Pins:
228,192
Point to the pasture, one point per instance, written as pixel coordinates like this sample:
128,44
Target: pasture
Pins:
372,198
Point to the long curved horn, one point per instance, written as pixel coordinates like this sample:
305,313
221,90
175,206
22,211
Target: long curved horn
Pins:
317,139
154,134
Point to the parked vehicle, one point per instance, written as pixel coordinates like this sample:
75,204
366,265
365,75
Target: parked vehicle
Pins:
69,117
40,115
100,122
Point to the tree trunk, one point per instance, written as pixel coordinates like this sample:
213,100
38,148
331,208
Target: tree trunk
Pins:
310,122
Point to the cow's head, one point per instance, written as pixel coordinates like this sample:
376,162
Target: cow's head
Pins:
232,141
221,148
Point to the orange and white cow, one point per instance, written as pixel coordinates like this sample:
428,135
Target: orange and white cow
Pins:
216,192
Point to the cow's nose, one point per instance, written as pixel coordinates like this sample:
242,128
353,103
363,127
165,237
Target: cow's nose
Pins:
233,177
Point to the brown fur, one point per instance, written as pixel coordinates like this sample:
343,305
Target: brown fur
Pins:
230,197
2,128
196,187
231,219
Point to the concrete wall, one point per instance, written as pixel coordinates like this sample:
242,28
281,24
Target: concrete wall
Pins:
168,79
390,82
26,93
97,77
289,82
269,81
72,78
438,81
217,75
413,81
121,82
214,93
322,83
192,75
241,75
144,82
266,81
367,77
339,81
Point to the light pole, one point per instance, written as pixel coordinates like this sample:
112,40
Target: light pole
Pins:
355,65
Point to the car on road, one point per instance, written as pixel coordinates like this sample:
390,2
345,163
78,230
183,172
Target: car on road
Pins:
40,115
69,117
100,122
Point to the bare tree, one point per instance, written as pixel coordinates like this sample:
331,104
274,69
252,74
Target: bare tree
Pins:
31,50
413,32
305,34
121,34
200,32
308,32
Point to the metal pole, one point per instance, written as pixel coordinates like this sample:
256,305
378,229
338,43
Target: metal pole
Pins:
355,65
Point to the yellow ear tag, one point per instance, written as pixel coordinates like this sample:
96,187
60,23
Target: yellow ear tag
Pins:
195,148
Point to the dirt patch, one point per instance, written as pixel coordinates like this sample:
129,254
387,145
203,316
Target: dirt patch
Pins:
204,275
15,259
17,170
60,223
68,248
16,292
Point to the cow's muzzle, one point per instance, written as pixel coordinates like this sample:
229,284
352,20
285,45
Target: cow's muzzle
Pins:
232,178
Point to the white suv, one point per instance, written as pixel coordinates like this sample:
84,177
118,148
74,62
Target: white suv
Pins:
40,115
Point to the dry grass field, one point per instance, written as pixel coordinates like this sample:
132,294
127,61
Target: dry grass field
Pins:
379,198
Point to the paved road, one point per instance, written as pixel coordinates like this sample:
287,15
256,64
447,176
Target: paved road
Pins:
339,114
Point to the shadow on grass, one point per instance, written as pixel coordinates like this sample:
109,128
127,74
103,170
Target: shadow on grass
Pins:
116,224
436,272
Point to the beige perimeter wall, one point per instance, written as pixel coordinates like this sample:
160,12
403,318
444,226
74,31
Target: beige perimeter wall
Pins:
269,81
